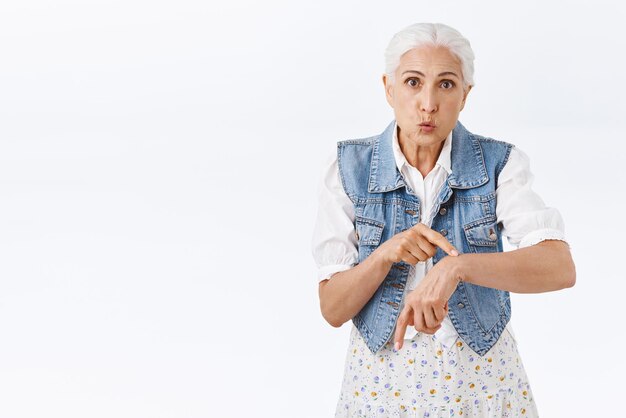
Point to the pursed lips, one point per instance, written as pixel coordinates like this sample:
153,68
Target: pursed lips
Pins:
427,127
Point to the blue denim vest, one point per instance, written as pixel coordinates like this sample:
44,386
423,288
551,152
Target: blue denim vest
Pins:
464,211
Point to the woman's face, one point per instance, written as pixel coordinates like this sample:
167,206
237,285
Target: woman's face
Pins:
428,88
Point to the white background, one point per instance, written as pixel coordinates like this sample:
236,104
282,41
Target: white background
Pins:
158,168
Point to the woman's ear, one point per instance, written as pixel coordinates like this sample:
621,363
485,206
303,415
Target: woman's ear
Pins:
388,84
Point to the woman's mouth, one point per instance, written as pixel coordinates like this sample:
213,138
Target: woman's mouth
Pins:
427,126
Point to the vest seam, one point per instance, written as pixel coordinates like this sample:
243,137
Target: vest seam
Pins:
474,316
502,163
384,201
341,175
501,317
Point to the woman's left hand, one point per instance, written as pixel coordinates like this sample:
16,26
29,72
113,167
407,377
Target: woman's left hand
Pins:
427,305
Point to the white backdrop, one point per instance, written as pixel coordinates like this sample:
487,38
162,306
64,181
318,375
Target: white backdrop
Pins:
158,166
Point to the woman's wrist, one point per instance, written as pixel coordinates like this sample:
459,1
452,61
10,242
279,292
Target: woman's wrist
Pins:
379,259
458,267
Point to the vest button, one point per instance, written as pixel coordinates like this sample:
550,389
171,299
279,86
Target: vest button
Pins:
460,305
410,212
394,304
443,211
444,232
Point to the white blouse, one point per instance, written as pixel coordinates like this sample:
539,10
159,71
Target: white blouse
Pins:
525,219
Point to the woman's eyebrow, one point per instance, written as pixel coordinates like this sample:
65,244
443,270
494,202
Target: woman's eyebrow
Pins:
440,74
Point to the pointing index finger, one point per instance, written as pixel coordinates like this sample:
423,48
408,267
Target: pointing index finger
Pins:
401,325
439,240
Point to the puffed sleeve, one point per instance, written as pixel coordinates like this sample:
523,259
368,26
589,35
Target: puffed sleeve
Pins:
334,243
525,218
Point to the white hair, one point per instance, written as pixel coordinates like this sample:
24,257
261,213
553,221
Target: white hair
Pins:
435,34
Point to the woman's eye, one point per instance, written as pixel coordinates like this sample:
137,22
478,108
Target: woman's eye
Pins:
447,84
413,82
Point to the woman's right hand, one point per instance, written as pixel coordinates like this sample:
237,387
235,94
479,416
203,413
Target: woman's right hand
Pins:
413,245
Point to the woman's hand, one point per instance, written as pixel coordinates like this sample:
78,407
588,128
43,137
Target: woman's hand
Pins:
345,294
416,244
427,305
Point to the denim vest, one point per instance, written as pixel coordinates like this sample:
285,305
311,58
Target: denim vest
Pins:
464,211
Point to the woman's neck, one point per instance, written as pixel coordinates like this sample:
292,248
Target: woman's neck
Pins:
421,156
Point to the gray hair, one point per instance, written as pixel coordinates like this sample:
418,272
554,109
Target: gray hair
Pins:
435,34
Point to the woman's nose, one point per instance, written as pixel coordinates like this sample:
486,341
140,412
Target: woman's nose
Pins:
428,102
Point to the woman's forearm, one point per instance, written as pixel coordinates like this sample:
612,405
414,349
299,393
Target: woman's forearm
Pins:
543,267
346,292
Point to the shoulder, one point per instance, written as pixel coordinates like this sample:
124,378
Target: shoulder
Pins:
357,141
356,153
487,141
496,151
513,157
509,161
331,159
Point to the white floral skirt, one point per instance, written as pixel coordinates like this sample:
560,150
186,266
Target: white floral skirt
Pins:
427,379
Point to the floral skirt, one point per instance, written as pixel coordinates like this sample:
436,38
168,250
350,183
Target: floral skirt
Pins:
427,379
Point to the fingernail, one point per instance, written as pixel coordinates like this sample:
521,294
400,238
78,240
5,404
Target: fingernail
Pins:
397,345
454,252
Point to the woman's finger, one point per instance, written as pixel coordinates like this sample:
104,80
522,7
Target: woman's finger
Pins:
429,317
440,241
421,324
401,324
426,246
409,258
427,330
409,244
439,312
418,320
432,330
417,252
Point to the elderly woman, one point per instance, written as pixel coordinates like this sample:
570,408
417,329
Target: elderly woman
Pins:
408,242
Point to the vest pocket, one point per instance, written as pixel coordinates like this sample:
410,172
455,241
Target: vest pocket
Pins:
368,231
483,233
